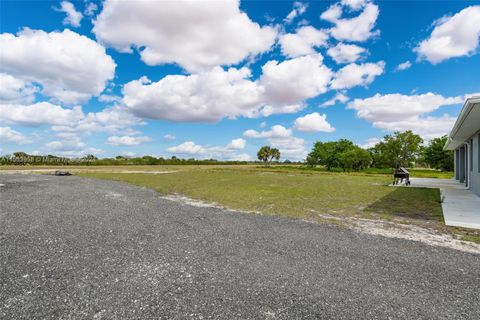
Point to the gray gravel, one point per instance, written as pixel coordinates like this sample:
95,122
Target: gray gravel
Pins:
74,248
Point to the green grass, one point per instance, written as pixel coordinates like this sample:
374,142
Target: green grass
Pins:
292,192
471,238
429,173
418,173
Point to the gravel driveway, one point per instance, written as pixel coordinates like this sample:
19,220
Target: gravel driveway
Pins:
75,248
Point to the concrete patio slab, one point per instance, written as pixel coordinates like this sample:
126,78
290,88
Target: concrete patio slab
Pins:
461,207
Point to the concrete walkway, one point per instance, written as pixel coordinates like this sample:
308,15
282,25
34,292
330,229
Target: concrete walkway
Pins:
461,207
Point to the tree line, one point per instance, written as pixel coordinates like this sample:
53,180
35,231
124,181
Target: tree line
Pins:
22,158
401,149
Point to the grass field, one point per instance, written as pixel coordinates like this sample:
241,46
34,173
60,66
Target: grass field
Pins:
290,191
419,173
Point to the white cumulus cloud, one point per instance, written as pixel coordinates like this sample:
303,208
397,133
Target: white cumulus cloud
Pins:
39,114
197,35
8,135
397,112
403,66
354,4
346,53
313,122
188,147
298,9
90,8
203,97
114,119
68,122
73,17
358,28
169,137
69,67
454,36
216,94
339,97
127,140
13,90
291,81
228,152
278,136
357,75
70,146
276,131
237,144
303,41
370,143
391,107
428,127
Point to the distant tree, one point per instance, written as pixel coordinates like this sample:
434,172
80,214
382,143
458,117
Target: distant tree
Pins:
311,160
149,160
344,145
436,157
355,158
274,154
323,154
398,150
264,153
267,154
20,154
90,157
328,153
379,159
20,157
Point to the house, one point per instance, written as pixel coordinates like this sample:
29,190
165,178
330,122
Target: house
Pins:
465,140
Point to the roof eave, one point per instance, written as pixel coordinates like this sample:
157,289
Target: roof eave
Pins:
453,143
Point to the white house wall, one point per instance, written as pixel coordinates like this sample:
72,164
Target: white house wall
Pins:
475,172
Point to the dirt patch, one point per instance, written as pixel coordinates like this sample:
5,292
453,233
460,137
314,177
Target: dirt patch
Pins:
408,232
202,204
191,202
113,195
27,171
149,172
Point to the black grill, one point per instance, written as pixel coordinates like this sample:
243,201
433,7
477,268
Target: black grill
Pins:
401,174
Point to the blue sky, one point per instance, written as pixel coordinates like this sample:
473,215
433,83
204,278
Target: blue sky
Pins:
222,78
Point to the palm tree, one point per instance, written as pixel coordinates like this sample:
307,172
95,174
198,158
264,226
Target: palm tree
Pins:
274,154
267,154
264,154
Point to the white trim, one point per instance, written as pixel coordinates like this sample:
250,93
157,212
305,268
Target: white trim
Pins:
467,108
